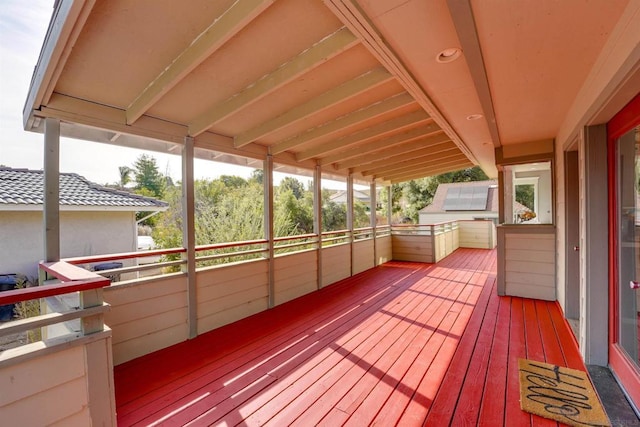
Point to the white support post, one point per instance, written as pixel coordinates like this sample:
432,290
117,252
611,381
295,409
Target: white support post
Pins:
268,225
317,217
95,323
372,219
350,216
189,235
51,197
389,205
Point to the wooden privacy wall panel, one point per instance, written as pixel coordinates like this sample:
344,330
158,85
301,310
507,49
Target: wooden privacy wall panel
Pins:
413,248
476,234
231,292
336,264
295,275
529,265
383,250
46,390
147,316
363,257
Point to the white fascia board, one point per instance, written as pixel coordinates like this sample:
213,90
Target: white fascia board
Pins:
67,20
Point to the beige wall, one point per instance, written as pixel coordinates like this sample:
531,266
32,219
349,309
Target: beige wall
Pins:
526,262
336,263
231,292
383,250
65,383
81,234
363,256
147,316
477,234
295,275
416,248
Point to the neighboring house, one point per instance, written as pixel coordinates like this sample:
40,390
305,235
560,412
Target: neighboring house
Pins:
462,200
341,197
93,219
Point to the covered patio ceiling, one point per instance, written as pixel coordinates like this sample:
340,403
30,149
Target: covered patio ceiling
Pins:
359,87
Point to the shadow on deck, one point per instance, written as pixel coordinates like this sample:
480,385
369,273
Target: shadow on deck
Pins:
403,343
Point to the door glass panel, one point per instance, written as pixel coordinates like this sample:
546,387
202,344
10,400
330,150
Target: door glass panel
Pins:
629,238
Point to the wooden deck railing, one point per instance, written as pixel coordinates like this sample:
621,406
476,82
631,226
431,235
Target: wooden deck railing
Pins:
76,366
67,279
162,261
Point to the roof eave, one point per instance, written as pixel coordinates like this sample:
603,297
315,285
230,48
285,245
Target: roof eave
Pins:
67,20
83,208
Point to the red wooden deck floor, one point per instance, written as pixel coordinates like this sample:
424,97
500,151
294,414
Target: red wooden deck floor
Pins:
404,344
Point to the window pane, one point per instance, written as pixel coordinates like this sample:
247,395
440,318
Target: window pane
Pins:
528,193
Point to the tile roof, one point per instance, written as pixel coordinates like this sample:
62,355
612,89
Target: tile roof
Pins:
26,187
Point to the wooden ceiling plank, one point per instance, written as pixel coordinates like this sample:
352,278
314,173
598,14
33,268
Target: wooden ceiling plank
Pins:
374,152
396,140
389,127
237,17
444,149
423,173
328,99
319,53
370,112
422,162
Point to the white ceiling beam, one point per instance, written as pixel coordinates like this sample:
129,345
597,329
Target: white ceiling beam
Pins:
370,112
321,52
465,24
353,17
237,17
386,147
328,99
380,130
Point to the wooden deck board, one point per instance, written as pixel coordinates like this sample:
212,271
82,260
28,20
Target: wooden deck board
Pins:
401,344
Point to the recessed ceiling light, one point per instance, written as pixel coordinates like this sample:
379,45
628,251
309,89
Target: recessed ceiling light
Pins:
448,55
474,116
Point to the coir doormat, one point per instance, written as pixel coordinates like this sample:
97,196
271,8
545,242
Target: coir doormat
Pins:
561,394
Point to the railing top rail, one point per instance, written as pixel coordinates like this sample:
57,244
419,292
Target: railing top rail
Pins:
25,294
230,245
329,233
73,279
297,237
435,224
124,255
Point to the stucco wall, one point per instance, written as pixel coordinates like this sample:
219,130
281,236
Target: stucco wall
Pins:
81,234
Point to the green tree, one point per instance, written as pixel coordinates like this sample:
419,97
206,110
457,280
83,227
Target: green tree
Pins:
361,214
149,180
294,185
334,215
525,195
232,181
293,201
125,176
258,176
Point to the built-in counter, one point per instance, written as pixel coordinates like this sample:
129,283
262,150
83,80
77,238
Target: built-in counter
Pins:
527,261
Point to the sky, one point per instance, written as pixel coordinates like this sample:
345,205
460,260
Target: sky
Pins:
23,25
